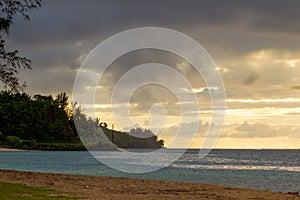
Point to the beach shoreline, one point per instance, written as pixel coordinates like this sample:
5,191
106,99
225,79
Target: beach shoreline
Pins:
10,150
93,187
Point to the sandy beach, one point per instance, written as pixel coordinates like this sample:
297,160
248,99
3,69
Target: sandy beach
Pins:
10,150
89,187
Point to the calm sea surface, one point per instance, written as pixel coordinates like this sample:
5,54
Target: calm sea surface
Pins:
277,170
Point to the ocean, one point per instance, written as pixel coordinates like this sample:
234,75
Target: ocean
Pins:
276,170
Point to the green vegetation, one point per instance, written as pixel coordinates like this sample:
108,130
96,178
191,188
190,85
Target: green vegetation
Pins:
28,123
47,123
9,191
142,138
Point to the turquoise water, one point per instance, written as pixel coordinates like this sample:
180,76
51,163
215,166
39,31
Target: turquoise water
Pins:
277,170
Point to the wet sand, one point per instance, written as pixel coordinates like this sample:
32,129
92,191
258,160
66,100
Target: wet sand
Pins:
89,187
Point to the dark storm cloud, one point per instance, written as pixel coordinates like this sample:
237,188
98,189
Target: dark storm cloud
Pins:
54,56
74,20
69,20
60,32
135,58
277,16
49,81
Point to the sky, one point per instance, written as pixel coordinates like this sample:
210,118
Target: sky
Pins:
255,45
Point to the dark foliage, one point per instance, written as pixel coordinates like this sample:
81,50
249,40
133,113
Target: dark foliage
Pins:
42,122
95,139
127,140
33,120
11,61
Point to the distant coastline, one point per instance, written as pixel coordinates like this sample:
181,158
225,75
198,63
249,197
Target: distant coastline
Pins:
51,123
63,147
44,147
81,147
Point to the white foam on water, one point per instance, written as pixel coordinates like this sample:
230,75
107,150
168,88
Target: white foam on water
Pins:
238,167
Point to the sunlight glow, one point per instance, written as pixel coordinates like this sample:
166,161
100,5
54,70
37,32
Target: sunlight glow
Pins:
285,100
290,63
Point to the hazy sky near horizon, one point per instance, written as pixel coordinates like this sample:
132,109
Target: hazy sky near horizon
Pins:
255,44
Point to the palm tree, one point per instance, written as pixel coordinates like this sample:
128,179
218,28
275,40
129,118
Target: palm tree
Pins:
62,100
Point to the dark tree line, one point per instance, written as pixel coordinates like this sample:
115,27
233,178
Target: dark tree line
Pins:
93,138
29,122
37,119
127,140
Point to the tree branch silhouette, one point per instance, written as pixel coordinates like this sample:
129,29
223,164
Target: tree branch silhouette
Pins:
11,61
